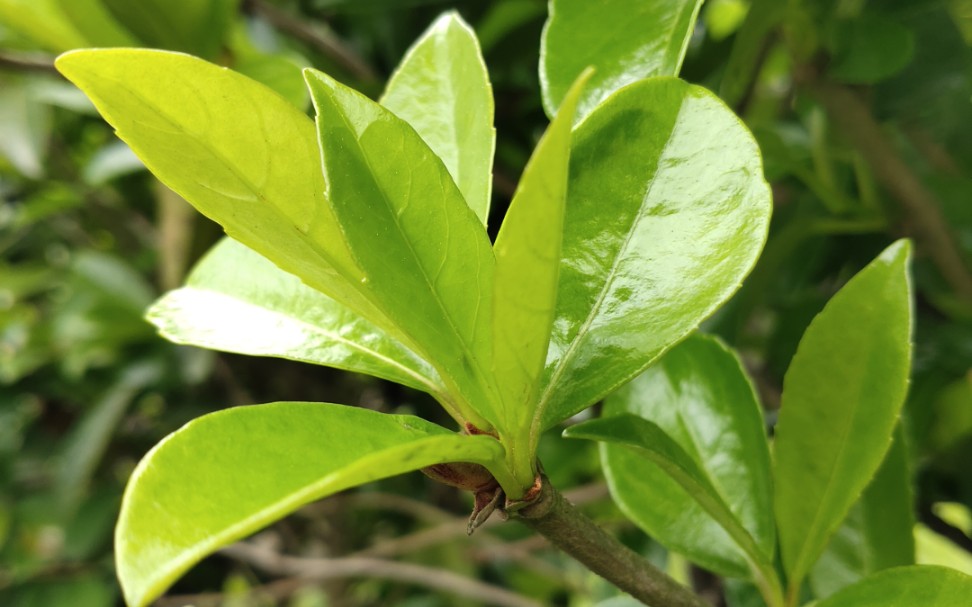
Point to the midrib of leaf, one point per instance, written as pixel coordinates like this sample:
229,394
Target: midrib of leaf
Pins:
743,538
434,360
548,391
431,387
800,567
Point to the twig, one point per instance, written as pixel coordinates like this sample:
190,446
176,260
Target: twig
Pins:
856,122
318,36
556,519
27,62
319,569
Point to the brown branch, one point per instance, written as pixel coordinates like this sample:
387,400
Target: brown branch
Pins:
320,569
27,62
555,518
853,118
318,36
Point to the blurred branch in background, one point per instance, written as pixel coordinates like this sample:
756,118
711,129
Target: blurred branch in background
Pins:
317,35
855,121
26,62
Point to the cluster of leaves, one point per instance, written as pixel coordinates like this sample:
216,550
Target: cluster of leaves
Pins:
626,290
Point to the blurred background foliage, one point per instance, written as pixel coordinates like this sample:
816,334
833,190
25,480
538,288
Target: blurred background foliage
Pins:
863,110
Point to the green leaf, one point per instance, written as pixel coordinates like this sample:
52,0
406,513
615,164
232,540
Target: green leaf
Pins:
233,148
227,474
237,301
624,40
667,212
715,506
869,48
42,21
916,586
441,88
877,533
841,398
426,260
192,26
26,126
527,253
95,23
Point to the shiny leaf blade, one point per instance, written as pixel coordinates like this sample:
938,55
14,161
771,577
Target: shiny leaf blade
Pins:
441,88
648,443
667,212
233,148
527,253
700,397
624,40
877,533
841,398
237,301
426,260
916,586
227,474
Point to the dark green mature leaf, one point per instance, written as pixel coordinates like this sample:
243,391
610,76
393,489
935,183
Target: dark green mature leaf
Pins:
96,23
624,40
668,210
227,474
916,586
234,149
237,301
877,533
527,265
703,402
841,398
442,89
191,26
869,48
426,260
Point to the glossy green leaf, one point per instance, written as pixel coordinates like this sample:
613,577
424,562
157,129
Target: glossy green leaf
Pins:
877,533
237,301
191,26
441,88
624,40
234,149
667,212
841,398
426,259
527,253
916,586
227,474
703,403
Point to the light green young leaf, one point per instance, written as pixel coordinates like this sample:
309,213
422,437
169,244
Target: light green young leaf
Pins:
426,260
915,586
701,399
442,89
668,211
237,301
227,474
841,398
527,253
624,40
233,148
877,533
